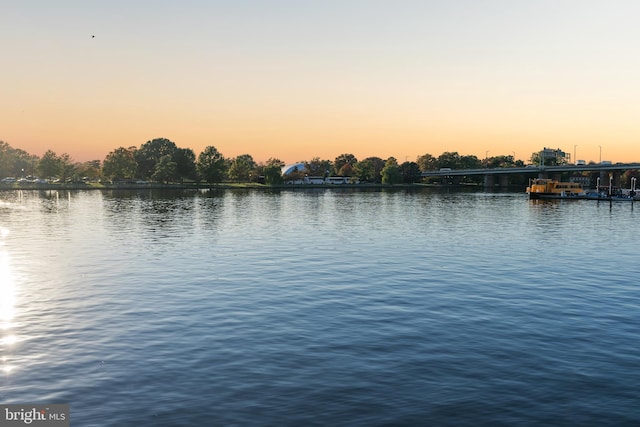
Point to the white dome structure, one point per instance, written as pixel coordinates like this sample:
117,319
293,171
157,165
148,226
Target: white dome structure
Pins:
293,167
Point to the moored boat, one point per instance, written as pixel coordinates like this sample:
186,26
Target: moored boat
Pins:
543,188
615,197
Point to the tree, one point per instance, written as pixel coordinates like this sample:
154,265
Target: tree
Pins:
16,162
449,159
410,172
499,162
377,163
364,170
149,154
272,175
120,163
24,163
185,160
211,165
427,162
90,169
344,163
275,162
628,175
391,172
165,170
49,165
346,170
7,159
67,167
470,162
241,168
275,169
317,167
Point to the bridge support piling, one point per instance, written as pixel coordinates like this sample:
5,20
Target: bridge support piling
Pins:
489,181
604,179
617,182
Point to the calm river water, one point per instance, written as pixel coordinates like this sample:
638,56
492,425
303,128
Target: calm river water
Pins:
320,307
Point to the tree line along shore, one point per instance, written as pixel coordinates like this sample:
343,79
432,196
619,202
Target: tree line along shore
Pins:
161,162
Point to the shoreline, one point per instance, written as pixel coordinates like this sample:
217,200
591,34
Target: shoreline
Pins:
221,186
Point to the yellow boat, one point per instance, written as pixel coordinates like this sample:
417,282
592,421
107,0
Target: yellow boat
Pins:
543,188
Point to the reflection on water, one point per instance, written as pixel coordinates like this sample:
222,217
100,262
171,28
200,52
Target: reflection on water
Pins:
319,308
7,304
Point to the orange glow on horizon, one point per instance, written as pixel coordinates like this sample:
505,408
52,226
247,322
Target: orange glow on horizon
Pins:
431,80
329,147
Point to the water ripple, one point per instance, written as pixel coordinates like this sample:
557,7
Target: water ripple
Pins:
317,308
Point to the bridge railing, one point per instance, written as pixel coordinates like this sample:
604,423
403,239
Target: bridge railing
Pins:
533,169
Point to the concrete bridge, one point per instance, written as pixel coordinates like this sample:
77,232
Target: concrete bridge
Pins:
502,175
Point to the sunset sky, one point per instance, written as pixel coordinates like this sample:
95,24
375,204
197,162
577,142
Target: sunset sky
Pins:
296,79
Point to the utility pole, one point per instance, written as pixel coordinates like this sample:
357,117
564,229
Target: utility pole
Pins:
600,161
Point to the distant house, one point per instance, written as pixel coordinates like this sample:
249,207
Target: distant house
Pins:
584,180
554,156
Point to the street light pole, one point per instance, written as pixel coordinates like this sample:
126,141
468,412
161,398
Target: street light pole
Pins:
574,153
600,153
